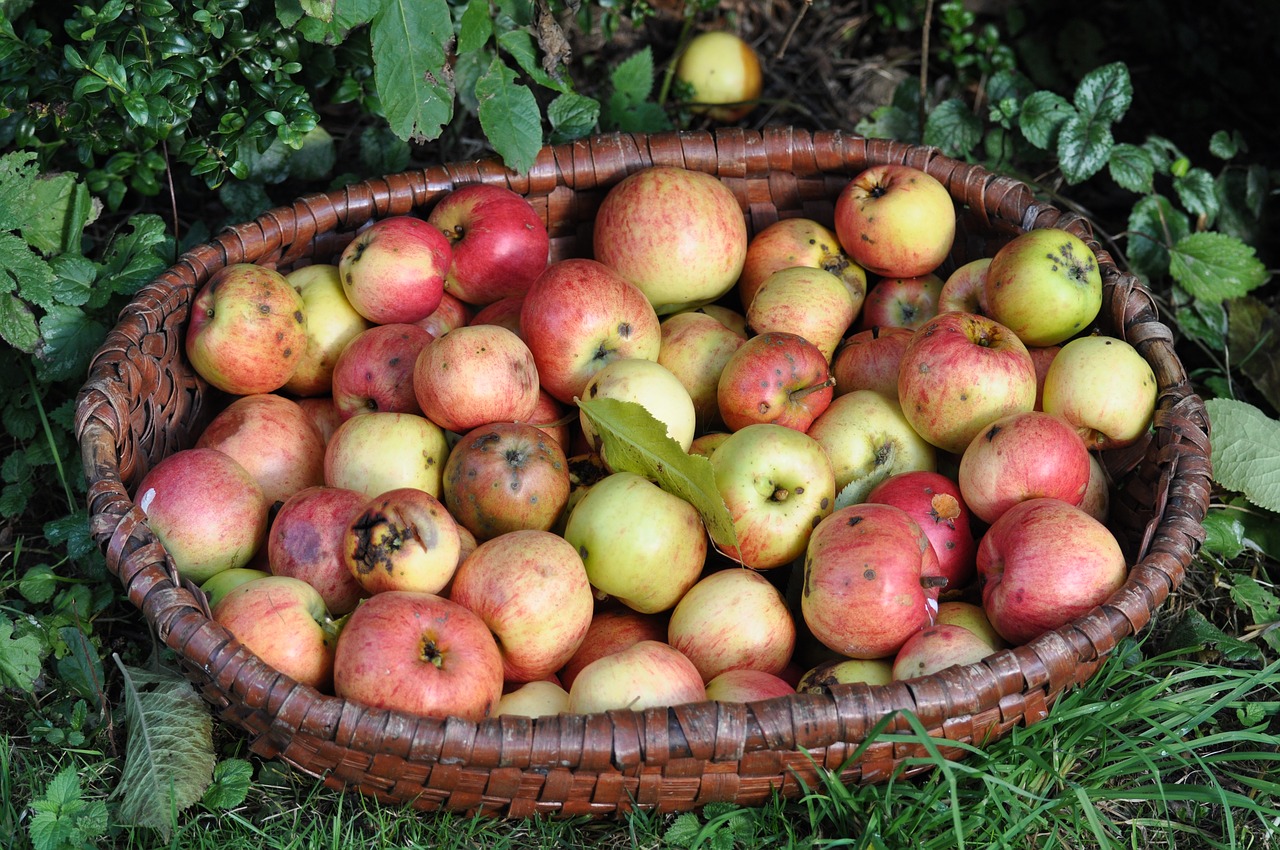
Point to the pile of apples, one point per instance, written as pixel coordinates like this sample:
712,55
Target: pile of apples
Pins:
850,467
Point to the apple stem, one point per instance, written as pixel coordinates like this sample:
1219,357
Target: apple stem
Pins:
801,393
431,653
933,581
780,494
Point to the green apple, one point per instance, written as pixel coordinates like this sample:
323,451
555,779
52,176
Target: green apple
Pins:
1105,388
331,323
650,385
1044,285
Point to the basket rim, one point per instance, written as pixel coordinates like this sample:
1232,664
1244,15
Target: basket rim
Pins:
1019,682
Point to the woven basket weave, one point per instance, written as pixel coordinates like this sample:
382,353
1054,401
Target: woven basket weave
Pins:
142,402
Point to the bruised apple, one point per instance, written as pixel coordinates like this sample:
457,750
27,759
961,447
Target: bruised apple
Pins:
403,539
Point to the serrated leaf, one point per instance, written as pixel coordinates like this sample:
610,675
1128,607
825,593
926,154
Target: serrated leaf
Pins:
63,818
18,323
519,44
1224,145
475,28
74,277
1009,85
890,122
1196,192
632,79
1105,94
231,781
1245,451
1253,332
24,271
1083,148
63,206
856,491
683,830
1043,114
572,116
1223,534
1131,167
169,760
410,71
953,128
68,339
133,257
634,441
38,584
18,174
20,658
1213,266
509,116
81,668
1192,630
1261,603
1154,225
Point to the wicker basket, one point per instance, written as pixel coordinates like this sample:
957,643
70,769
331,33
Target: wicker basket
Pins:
142,402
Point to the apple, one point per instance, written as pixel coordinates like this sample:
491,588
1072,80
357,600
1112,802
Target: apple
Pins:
648,674
868,671
777,485
727,316
648,384
331,323
1097,495
694,347
895,220
452,313
678,235
418,653
323,413
798,242
534,699
394,270
206,509
614,627
869,360
305,542
273,439
641,545
963,290
742,685
957,612
552,418
904,302
506,476
706,444
500,243
867,439
505,312
1105,388
219,584
283,621
248,330
531,590
377,452
733,619
1022,456
1044,285
778,378
403,539
579,315
960,373
1044,563
475,375
723,74
375,371
938,647
869,580
935,502
1041,357
808,302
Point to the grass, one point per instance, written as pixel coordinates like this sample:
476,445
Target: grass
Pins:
1156,751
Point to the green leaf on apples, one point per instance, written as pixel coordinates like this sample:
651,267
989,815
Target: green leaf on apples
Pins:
415,85
953,128
1246,451
634,441
1132,167
856,491
509,115
169,761
1213,266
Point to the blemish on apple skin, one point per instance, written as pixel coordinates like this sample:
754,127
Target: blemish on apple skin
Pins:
823,504
853,520
869,574
992,431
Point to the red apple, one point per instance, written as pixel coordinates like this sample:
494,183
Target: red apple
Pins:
733,619
808,302
1023,456
798,242
694,347
273,439
220,584
614,627
1041,357
743,685
247,331
579,315
504,477
403,539
960,373
394,270
895,220
678,235
934,501
938,647
323,413
418,653
331,323
647,674
207,511
375,371
452,313
377,452
869,359
963,290
777,378
531,590
504,312
552,418
500,244
958,612
1097,495
305,542
283,621
475,375
905,302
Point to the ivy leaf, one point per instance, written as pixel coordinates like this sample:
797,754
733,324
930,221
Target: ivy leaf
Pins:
169,761
1154,224
1084,147
410,67
231,780
1196,192
1042,117
572,116
1105,94
953,128
509,116
634,441
1213,266
1246,451
20,658
1132,168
